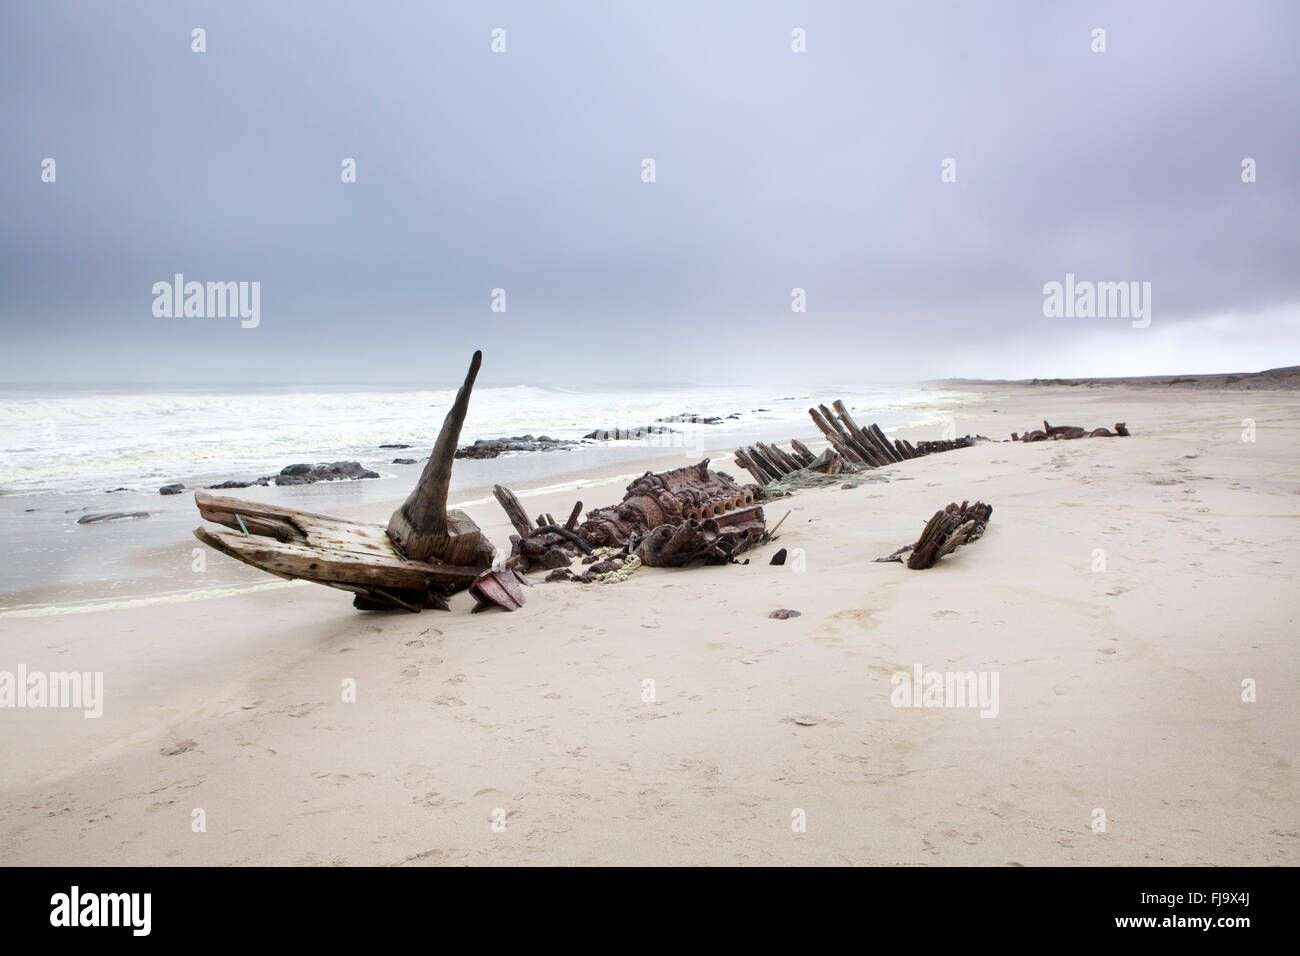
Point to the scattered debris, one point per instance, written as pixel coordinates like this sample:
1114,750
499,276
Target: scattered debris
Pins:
853,449
498,587
944,533
1069,432
784,613
779,557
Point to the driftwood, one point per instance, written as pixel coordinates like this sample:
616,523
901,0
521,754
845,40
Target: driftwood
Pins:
424,554
944,533
1067,432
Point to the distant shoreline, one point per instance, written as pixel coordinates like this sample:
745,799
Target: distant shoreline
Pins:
1287,377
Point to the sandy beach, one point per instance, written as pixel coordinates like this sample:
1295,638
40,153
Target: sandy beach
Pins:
668,720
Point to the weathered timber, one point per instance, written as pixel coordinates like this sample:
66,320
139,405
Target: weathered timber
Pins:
514,510
845,450
574,515
425,553
861,440
946,531
787,461
890,452
806,457
497,587
770,461
751,465
337,565
422,527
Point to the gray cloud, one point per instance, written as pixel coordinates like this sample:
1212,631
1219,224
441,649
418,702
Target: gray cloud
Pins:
774,170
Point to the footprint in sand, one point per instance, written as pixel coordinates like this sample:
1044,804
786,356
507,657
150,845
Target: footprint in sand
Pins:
180,747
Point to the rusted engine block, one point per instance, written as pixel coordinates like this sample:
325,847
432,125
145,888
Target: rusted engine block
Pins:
672,497
667,519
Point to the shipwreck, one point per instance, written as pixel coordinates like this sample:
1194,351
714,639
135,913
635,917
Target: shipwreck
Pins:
427,551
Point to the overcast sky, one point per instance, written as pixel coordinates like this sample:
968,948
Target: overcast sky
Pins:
522,170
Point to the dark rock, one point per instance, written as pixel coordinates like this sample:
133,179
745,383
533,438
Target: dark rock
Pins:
560,574
693,419
173,489
778,558
784,613
492,447
111,516
394,446
334,471
624,434
403,461
115,490
240,484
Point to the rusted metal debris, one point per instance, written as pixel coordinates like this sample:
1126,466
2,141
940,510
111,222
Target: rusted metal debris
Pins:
692,493
944,533
853,448
498,587
1067,432
667,519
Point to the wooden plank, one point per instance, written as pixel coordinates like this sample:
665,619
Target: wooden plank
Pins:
885,444
806,457
292,560
843,448
514,510
861,440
